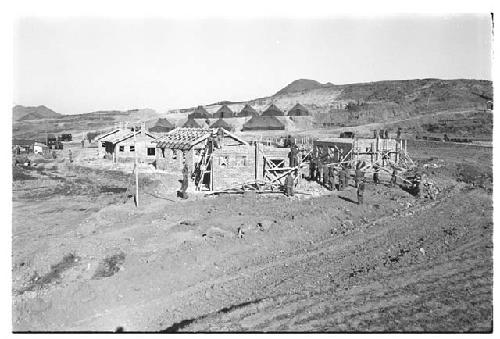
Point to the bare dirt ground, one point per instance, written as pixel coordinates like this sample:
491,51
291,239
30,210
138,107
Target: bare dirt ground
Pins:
85,258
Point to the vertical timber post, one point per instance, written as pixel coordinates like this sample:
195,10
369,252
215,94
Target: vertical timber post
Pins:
136,173
256,149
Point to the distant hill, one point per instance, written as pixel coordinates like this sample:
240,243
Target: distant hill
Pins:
20,112
380,101
300,85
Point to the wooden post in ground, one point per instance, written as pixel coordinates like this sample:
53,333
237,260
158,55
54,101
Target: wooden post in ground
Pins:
136,174
256,148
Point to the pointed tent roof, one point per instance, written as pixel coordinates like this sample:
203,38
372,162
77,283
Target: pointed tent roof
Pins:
191,123
298,110
224,112
163,122
200,113
223,124
162,126
248,111
262,122
273,110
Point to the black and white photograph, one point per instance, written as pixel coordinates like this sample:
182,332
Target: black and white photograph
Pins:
267,172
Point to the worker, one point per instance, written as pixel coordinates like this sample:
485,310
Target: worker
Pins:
326,175
386,134
185,181
375,135
416,185
358,175
342,179
289,184
312,167
361,191
294,156
70,155
376,179
381,134
83,143
393,178
332,178
319,173
399,133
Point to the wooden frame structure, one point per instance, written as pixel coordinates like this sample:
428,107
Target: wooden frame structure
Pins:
370,153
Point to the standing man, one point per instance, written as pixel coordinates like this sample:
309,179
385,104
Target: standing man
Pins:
341,179
83,143
358,175
332,178
319,173
70,155
293,156
289,184
416,185
375,175
361,191
393,178
326,174
312,167
185,181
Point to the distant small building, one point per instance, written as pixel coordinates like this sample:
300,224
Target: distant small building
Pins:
24,145
39,148
66,137
121,146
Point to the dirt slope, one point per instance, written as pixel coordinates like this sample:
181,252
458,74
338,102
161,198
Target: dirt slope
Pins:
86,259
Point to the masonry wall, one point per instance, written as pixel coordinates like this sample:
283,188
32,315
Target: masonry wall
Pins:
142,143
233,165
173,160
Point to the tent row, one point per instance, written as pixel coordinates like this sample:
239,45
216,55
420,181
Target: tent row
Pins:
266,121
225,112
256,122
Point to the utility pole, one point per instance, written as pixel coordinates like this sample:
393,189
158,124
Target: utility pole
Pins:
136,172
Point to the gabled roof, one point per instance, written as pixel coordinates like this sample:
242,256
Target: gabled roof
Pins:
183,138
298,110
273,110
123,134
222,124
261,122
248,111
103,135
200,113
224,112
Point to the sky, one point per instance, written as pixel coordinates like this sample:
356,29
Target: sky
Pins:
78,65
